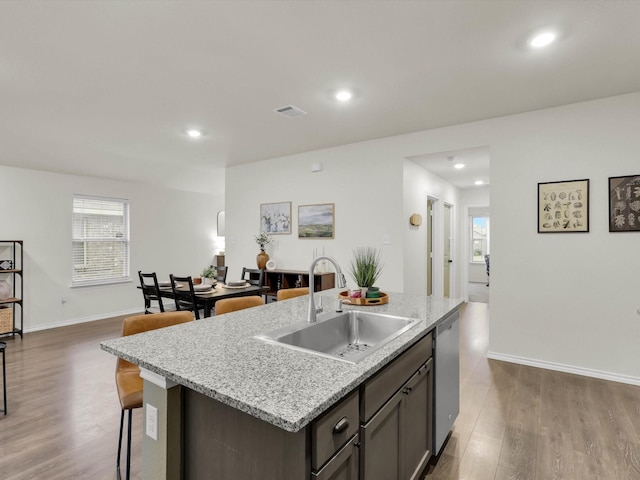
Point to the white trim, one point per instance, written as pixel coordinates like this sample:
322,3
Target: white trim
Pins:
75,321
559,367
156,379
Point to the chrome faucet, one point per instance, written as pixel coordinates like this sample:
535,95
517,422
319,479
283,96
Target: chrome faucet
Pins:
340,282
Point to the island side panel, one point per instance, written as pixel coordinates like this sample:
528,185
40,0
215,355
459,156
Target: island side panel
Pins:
222,442
161,458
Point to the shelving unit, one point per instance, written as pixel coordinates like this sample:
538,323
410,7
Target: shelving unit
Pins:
12,323
279,279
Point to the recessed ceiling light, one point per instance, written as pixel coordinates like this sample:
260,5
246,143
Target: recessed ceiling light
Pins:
194,133
479,182
542,39
344,95
459,166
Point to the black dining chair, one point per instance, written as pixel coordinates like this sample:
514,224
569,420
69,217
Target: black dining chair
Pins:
221,274
184,294
151,292
253,276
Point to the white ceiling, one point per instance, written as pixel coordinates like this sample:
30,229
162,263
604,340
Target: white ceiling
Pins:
108,88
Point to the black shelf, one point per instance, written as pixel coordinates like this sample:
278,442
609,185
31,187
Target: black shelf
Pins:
12,250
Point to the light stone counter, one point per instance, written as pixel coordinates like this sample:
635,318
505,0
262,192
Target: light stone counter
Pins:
219,357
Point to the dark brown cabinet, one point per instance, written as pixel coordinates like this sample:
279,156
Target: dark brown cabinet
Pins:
382,430
343,465
397,439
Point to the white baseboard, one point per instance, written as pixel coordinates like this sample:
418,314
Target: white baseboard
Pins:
585,372
76,321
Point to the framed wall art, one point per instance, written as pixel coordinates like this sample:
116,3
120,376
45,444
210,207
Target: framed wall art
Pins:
275,218
624,204
316,221
563,207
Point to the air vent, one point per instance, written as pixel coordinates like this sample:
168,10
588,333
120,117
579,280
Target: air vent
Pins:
290,111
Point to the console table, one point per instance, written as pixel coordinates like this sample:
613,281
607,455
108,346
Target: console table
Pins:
278,279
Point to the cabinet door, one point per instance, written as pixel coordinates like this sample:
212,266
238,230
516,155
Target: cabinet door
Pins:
381,442
417,422
343,465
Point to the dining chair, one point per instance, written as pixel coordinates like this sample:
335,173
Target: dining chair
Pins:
185,299
286,293
221,274
150,292
128,380
227,305
253,276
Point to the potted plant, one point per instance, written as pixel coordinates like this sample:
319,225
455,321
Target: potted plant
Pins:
366,267
209,275
263,239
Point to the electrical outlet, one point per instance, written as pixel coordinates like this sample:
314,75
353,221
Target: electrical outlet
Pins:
152,421
386,239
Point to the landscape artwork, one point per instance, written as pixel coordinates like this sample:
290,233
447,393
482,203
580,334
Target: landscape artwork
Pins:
275,218
316,221
624,204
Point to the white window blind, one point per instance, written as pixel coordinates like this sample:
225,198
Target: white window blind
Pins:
100,240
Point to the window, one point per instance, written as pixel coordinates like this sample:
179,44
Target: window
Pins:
100,241
479,237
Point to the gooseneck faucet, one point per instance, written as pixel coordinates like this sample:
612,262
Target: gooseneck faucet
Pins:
340,282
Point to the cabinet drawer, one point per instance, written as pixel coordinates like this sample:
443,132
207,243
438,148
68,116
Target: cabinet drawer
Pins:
385,383
332,430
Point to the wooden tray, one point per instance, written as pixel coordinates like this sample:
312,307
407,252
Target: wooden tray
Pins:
384,298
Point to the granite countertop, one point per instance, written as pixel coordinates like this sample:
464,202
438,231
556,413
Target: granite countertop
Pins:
219,357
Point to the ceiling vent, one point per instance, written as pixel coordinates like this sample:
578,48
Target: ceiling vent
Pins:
290,111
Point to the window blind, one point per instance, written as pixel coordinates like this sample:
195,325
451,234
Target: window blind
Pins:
100,240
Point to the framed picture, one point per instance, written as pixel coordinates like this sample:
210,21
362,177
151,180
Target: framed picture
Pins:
624,204
275,218
316,221
563,207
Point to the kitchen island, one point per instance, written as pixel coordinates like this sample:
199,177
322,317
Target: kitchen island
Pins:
232,406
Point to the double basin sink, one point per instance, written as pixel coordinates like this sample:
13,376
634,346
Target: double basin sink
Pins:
347,336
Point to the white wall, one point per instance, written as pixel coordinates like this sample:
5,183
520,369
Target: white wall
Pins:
364,183
172,231
418,185
566,301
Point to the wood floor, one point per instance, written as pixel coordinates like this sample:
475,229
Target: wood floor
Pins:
516,422
525,423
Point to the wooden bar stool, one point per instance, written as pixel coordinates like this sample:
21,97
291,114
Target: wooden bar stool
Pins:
3,345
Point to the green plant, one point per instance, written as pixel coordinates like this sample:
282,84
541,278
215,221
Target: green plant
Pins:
366,266
209,272
263,239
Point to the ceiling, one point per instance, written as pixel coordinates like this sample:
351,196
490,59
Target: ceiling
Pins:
108,89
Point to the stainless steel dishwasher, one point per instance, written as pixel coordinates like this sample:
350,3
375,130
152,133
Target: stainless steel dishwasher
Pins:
447,378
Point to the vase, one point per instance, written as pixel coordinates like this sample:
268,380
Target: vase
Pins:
262,259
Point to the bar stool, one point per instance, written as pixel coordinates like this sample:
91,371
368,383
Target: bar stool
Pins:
3,345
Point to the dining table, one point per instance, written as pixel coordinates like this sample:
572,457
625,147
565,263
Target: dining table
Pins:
207,299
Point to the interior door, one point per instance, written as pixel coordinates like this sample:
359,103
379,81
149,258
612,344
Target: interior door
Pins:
429,247
447,250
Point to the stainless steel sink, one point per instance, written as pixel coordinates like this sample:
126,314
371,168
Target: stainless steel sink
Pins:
350,336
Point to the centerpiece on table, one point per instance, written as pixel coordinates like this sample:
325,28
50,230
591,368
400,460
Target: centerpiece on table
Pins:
263,239
366,267
209,275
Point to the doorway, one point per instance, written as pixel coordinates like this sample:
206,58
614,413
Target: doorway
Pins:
430,202
448,241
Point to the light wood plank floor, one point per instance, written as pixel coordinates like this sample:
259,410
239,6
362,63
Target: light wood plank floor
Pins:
525,423
516,422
